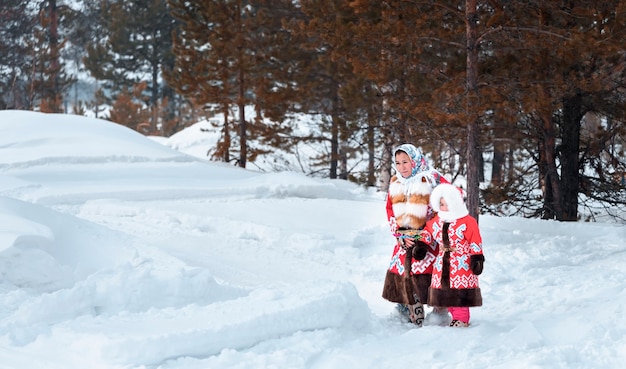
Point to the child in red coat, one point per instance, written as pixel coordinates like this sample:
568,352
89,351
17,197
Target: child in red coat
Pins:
460,259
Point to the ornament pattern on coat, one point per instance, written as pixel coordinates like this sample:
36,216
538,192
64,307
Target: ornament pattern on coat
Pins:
438,264
460,231
464,281
436,281
393,224
396,262
420,266
396,265
464,241
461,262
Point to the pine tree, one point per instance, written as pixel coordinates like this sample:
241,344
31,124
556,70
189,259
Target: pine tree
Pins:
82,25
16,27
231,54
199,73
129,110
329,85
136,47
50,80
579,70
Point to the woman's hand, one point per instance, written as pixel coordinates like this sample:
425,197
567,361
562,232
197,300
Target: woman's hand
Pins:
406,242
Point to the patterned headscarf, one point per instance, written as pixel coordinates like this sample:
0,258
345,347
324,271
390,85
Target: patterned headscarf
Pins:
418,161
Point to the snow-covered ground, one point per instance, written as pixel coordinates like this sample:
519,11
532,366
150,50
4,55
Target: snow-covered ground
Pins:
119,252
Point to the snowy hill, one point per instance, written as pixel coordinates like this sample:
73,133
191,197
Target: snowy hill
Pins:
119,252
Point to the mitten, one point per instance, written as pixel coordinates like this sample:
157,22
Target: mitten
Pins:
420,250
476,263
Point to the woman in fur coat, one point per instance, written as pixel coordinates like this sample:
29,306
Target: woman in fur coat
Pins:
409,273
460,259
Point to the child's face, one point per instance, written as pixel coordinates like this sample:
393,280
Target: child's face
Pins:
443,206
404,164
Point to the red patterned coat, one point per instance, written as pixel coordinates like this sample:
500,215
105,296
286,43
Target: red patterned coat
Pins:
408,207
457,234
407,279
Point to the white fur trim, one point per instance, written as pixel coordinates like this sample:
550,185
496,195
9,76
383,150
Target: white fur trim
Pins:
454,199
412,188
418,210
399,208
419,187
396,188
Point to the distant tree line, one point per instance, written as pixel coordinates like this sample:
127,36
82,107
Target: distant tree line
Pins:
534,88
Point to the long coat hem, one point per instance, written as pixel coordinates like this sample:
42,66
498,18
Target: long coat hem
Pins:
403,290
455,297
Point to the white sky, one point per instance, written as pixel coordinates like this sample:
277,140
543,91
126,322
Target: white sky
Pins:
119,252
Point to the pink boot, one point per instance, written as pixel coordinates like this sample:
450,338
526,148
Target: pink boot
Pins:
460,316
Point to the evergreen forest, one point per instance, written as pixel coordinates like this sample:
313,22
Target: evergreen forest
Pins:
523,100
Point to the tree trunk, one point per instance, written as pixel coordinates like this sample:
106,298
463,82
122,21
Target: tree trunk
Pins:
547,212
473,152
498,163
243,142
570,137
510,163
334,146
371,149
343,160
386,160
51,91
154,103
226,151
334,137
552,199
241,101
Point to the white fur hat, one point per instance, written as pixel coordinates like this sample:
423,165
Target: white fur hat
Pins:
454,199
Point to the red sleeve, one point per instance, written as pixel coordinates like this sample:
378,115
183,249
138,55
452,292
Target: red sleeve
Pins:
389,208
473,236
426,234
391,219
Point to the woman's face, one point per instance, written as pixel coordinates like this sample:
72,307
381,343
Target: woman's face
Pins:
404,165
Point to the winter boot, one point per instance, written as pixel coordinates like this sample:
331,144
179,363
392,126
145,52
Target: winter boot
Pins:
416,314
403,310
438,316
459,323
